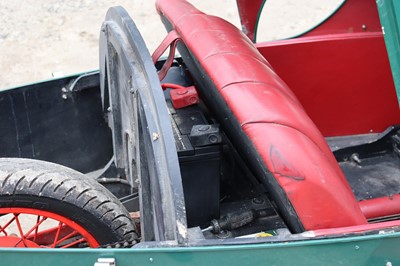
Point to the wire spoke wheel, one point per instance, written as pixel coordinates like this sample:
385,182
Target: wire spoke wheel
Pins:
32,228
47,205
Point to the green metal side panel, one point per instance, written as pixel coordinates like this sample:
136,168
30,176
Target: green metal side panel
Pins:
367,250
389,13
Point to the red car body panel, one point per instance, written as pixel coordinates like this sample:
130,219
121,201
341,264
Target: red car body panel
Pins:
342,92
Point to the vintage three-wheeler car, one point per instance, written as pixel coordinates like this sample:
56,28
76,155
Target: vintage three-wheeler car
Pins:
230,152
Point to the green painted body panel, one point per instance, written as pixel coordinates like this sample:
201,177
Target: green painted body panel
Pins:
389,13
364,250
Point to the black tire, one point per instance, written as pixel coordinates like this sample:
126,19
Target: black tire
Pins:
26,183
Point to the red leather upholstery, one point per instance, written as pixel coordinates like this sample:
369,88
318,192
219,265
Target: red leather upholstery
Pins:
285,138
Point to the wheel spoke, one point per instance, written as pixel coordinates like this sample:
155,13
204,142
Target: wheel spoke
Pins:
35,227
21,233
72,234
57,234
63,234
80,240
3,228
46,237
31,228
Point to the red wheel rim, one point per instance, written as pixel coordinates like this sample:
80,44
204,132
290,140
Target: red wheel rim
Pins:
25,227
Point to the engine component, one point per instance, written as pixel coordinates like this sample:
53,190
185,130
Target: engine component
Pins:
235,220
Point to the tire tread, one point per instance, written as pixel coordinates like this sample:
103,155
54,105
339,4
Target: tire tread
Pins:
41,180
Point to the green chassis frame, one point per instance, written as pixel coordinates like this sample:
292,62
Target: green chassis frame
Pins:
365,250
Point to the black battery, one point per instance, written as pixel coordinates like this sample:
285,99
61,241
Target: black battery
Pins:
199,153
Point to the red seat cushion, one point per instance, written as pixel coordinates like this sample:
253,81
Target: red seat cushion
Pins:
272,119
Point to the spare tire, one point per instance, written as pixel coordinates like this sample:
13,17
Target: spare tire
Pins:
84,213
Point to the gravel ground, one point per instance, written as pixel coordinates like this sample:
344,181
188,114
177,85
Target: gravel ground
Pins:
40,37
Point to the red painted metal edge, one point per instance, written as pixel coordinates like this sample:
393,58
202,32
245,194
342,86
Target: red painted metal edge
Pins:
248,12
356,228
381,207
